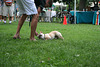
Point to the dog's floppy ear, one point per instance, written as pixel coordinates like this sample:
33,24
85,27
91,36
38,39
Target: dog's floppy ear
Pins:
39,36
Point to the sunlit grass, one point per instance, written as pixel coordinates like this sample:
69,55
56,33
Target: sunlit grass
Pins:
80,47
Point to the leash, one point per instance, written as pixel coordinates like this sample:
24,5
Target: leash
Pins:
30,20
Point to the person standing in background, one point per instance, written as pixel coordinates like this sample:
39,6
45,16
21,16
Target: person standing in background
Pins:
1,9
8,9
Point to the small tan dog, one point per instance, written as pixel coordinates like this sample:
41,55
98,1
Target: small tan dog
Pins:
51,35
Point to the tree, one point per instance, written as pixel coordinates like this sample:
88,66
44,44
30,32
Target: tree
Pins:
62,0
93,1
55,0
83,3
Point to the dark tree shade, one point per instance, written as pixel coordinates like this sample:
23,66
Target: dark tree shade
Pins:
66,0
62,0
55,0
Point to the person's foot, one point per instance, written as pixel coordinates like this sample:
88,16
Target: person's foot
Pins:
10,22
36,33
4,22
33,39
16,36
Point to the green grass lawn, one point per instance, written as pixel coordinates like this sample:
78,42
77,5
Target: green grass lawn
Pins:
80,47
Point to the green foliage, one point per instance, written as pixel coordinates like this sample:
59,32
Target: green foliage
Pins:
57,8
92,0
80,47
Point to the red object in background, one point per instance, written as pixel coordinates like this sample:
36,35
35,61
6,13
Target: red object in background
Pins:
99,2
65,21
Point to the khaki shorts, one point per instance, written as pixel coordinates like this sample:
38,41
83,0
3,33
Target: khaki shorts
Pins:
1,10
8,10
27,7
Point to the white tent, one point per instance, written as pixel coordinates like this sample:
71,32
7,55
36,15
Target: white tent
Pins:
59,4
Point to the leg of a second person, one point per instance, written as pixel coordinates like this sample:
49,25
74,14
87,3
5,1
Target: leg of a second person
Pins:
33,26
20,23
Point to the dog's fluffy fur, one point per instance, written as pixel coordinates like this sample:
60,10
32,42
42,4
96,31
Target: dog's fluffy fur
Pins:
51,35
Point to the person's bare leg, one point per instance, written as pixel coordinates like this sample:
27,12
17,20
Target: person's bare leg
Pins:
36,33
0,18
39,11
5,19
33,26
20,23
10,19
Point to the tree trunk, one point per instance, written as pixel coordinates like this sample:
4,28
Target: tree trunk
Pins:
82,4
